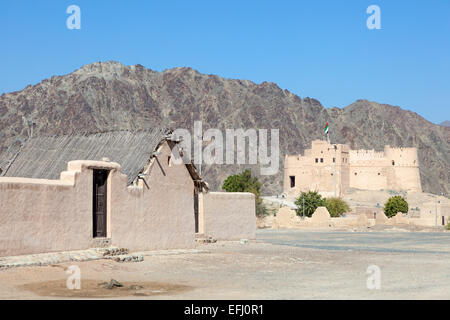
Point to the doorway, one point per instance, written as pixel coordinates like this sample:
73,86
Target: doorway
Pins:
196,210
100,178
292,180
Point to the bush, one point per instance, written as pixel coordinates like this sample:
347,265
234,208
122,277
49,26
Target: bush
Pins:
336,206
447,227
312,200
394,205
244,182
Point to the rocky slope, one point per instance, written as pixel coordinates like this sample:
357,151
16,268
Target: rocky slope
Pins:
106,96
445,123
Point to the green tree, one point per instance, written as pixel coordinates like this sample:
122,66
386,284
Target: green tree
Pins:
394,205
244,182
336,206
312,200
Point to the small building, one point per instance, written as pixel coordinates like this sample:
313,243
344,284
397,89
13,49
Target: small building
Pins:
326,167
117,188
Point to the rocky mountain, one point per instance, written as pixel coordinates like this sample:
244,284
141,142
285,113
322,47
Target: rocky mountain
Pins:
445,123
107,96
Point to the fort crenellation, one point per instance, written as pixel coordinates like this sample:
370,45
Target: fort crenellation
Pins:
335,168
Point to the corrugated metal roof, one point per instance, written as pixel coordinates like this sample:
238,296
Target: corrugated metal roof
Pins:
46,157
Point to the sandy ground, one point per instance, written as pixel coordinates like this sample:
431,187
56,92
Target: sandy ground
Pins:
280,264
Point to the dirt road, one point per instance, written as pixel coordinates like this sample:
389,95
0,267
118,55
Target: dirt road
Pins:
290,264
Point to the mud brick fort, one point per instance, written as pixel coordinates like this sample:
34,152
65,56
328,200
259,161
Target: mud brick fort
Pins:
326,167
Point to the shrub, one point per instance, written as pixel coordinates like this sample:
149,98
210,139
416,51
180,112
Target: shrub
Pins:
336,206
312,200
447,227
394,205
244,182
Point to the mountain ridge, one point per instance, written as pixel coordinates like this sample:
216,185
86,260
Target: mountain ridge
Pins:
445,123
110,95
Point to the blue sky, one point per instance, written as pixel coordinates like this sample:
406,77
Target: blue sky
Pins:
321,49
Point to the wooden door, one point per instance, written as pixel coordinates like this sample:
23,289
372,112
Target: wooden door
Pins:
99,203
196,210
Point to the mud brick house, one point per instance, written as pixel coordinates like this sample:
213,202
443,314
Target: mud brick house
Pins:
121,188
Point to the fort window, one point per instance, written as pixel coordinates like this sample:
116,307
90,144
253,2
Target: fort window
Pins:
378,173
334,159
356,174
292,179
321,159
393,162
317,160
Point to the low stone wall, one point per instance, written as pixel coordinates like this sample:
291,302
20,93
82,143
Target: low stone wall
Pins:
228,215
351,221
39,215
286,218
370,212
429,222
265,222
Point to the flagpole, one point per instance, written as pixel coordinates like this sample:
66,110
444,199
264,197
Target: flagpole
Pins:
335,160
327,131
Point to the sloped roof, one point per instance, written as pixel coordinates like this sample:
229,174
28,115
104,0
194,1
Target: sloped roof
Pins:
3,164
46,157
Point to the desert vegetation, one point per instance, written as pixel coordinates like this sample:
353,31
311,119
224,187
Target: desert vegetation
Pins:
394,205
309,201
245,182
